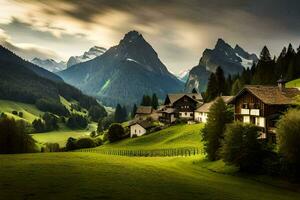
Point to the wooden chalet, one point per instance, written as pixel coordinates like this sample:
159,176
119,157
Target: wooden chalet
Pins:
262,106
201,113
179,106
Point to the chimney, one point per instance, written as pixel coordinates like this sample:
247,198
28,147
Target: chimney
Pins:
281,84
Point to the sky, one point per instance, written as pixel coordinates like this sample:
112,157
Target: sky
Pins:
178,30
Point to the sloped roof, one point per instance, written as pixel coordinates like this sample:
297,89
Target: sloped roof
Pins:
166,110
206,106
146,124
271,94
175,97
144,110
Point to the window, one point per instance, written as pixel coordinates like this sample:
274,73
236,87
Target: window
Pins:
180,114
245,106
191,114
246,119
185,114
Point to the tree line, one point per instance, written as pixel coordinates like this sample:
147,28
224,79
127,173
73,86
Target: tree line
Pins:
267,71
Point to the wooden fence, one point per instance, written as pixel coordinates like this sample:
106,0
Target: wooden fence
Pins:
147,153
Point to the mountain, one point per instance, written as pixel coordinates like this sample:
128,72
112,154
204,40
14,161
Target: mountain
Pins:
23,81
8,56
183,75
124,73
88,55
49,64
232,61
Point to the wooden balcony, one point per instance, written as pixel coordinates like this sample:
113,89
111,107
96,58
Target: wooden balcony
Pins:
245,111
255,112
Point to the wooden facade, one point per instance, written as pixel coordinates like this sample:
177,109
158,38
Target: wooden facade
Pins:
251,109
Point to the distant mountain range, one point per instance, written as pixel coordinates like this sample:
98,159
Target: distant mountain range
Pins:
53,66
88,55
124,73
25,82
232,61
183,75
49,64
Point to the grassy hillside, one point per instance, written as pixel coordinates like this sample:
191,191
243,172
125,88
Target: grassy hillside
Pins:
95,176
30,112
294,83
182,135
61,136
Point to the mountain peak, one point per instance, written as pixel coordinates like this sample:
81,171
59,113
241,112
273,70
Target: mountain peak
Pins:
131,36
221,44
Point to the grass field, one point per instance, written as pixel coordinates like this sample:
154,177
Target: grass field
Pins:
62,135
178,136
95,176
294,83
30,112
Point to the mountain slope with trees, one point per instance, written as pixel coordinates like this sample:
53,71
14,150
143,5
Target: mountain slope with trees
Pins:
123,73
20,83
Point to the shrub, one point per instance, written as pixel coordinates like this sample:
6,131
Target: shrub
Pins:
14,112
213,133
21,114
242,147
105,123
98,141
85,143
115,132
93,134
51,147
71,144
13,137
288,131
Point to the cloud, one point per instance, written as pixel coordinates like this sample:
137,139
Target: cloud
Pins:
26,51
178,30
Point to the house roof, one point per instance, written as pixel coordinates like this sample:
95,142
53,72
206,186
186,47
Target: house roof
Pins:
206,106
175,97
144,110
165,109
270,94
146,124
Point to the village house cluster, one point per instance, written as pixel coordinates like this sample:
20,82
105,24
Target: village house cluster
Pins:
256,104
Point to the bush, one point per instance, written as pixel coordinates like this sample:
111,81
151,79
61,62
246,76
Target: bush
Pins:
105,123
98,141
14,112
93,134
21,114
115,132
85,143
71,144
77,122
288,131
51,147
213,133
242,147
13,137
49,123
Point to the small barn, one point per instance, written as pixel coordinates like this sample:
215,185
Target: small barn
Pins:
139,128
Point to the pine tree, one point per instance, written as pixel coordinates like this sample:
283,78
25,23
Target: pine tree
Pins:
194,91
265,54
133,112
146,101
118,114
213,133
228,85
124,114
221,83
211,91
236,87
154,101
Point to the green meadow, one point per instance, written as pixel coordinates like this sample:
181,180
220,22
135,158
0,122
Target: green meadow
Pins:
96,176
294,83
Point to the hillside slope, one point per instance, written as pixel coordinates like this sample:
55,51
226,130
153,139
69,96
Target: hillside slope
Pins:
19,82
178,136
294,83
